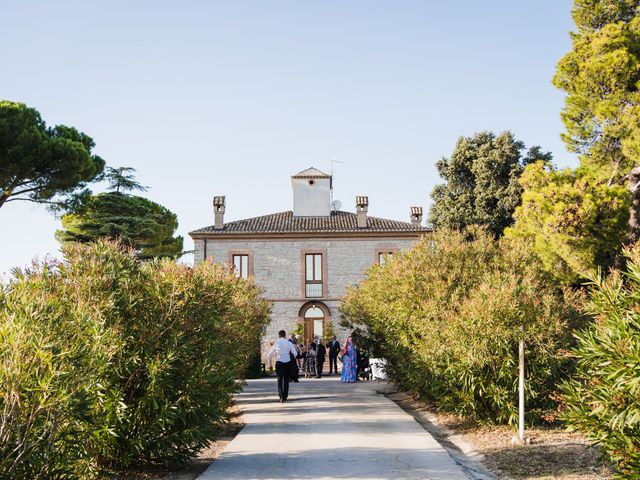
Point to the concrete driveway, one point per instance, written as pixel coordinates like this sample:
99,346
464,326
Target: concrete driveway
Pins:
329,430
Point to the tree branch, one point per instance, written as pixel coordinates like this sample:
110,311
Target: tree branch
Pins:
26,190
26,199
15,183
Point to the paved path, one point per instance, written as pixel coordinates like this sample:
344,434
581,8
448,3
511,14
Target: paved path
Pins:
329,430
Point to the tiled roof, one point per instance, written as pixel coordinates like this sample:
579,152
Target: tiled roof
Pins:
337,222
311,173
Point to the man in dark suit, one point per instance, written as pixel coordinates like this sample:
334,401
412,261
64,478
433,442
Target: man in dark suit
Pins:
320,355
334,350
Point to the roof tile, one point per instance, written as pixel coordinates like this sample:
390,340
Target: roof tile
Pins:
337,222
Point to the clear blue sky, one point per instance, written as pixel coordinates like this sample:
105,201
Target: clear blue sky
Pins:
231,98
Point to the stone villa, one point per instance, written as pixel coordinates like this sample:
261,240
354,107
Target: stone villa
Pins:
304,259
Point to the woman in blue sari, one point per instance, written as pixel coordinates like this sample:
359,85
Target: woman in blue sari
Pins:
349,364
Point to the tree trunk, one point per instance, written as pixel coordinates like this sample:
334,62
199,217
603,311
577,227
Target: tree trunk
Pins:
633,233
633,183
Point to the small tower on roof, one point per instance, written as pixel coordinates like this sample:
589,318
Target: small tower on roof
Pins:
311,193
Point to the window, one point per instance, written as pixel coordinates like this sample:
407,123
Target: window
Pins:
241,265
313,275
384,257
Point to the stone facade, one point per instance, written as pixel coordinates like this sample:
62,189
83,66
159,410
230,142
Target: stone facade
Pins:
278,267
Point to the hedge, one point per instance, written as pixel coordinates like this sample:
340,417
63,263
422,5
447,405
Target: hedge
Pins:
109,362
447,315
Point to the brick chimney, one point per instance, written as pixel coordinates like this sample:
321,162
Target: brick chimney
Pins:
416,215
362,207
218,210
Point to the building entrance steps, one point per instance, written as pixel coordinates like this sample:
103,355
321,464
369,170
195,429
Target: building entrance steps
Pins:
327,430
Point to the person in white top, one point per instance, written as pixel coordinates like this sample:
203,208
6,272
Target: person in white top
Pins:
285,353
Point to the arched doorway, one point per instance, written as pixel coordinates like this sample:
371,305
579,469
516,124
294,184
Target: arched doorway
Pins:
313,316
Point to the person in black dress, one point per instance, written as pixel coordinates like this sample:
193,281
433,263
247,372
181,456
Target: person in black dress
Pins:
321,352
295,371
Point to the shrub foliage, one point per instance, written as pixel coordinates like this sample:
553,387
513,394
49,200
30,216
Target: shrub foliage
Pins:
448,315
109,362
602,399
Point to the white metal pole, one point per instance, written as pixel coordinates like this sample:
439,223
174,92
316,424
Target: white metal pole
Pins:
521,391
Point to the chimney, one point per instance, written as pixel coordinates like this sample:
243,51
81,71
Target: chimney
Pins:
416,215
218,210
362,206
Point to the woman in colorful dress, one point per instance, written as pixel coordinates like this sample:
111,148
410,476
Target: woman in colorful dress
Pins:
309,364
349,364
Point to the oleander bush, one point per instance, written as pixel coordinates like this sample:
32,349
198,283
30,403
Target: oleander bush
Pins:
109,362
55,349
448,314
603,397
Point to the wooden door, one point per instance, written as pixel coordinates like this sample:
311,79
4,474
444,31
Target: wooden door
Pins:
313,323
308,330
313,327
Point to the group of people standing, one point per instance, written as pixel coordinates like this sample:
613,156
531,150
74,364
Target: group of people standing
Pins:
310,357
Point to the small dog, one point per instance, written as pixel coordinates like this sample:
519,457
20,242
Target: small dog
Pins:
365,374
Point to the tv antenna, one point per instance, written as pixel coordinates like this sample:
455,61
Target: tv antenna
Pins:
333,164
337,204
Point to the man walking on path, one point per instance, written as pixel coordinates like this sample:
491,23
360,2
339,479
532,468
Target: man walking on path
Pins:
321,352
283,349
334,349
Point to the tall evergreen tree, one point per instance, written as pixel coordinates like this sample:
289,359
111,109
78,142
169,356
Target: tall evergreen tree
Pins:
601,76
136,221
481,182
580,219
123,178
40,164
